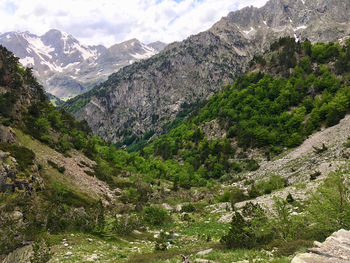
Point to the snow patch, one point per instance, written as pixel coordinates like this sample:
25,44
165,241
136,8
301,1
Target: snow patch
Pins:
265,23
296,37
248,32
39,47
149,52
300,27
51,66
85,52
303,1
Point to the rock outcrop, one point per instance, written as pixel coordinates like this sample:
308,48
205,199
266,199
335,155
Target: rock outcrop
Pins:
20,255
149,94
336,249
6,134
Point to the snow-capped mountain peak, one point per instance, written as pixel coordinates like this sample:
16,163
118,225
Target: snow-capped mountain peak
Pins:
65,66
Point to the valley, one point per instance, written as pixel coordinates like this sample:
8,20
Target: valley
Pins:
230,146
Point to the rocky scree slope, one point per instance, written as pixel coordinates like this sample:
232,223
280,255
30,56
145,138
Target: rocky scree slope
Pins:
65,66
149,94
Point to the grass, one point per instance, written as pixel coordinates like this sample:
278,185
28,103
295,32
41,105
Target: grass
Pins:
211,229
97,249
228,256
53,178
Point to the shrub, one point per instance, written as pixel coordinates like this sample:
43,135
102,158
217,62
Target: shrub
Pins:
320,150
287,248
41,252
252,165
237,195
225,197
250,232
253,191
161,243
23,155
125,224
61,169
154,216
314,175
188,208
236,237
290,198
275,182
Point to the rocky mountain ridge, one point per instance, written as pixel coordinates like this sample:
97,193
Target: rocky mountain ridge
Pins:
148,95
66,67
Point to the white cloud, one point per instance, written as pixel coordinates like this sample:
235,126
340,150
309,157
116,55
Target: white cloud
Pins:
108,22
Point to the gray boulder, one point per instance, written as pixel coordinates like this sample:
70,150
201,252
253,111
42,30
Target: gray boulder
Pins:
336,249
6,134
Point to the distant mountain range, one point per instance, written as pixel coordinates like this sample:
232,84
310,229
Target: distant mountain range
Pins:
65,66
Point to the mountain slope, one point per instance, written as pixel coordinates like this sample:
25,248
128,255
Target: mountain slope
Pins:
62,187
148,95
66,67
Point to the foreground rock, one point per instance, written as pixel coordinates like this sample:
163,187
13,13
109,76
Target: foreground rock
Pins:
336,249
20,255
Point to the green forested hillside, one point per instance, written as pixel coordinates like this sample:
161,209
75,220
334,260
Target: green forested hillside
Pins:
61,179
294,89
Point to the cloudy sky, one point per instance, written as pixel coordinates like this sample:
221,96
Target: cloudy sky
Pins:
112,21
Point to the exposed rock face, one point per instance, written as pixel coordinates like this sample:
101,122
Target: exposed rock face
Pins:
11,178
336,249
20,255
159,46
66,67
6,134
150,93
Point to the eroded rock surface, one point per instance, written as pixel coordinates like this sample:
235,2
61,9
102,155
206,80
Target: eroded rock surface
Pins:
336,249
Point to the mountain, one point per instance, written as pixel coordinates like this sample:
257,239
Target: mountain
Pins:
159,46
269,153
66,67
148,95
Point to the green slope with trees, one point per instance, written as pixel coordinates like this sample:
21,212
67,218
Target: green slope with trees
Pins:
292,91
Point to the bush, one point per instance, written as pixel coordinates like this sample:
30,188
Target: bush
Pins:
23,155
125,224
251,232
237,195
275,182
188,208
225,197
252,165
41,252
61,169
236,237
290,198
154,216
287,248
314,175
